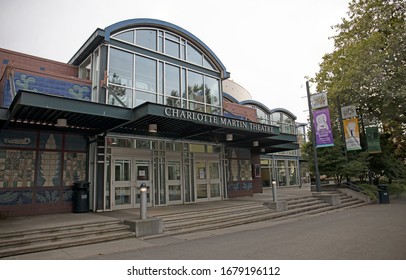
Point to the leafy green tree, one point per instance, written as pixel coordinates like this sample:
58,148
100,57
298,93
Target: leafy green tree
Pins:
368,69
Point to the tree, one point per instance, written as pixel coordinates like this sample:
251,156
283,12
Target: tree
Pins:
368,69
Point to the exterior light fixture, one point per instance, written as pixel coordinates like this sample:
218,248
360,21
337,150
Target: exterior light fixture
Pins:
61,123
152,127
229,137
262,150
255,143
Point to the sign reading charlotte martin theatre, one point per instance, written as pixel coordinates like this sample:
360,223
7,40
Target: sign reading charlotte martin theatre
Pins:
218,120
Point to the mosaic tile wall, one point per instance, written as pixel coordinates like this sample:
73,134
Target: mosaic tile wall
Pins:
43,173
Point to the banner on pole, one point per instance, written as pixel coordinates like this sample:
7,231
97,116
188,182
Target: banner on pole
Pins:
348,112
374,144
322,126
351,133
319,100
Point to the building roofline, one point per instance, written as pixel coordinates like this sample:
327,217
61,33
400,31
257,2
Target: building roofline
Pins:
101,35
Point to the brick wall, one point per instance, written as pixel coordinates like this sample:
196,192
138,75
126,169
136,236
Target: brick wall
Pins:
240,110
36,64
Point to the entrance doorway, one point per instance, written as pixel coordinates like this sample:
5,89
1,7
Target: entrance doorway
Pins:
174,182
128,174
207,180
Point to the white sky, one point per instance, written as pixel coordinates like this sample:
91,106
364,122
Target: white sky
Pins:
268,46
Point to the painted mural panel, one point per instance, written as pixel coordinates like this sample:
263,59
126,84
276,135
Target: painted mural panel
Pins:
24,81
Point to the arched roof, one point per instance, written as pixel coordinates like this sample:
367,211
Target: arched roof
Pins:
267,110
285,111
148,22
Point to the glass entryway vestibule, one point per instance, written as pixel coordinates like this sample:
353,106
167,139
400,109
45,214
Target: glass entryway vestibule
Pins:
174,174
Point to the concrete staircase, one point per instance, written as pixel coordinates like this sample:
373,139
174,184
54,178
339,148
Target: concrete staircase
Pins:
249,212
31,241
175,223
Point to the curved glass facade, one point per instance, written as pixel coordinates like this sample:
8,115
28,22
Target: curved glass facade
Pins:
135,78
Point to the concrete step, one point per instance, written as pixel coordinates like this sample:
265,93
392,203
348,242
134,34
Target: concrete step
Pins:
236,216
245,206
31,241
214,219
176,224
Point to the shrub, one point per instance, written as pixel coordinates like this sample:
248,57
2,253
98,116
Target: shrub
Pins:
369,190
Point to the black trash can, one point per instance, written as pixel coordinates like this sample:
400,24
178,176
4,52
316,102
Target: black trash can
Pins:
383,192
80,197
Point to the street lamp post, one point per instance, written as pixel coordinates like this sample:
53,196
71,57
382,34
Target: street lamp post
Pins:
316,164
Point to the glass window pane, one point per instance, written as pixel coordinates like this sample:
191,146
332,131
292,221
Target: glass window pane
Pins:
174,170
214,190
122,195
197,148
121,68
184,86
172,37
161,44
172,81
193,55
293,174
207,63
146,38
122,170
201,190
261,116
126,36
173,102
172,48
145,73
196,106
142,97
214,170
175,192
161,78
212,91
195,87
120,96
213,110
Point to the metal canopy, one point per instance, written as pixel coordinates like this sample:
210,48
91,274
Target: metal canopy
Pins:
38,110
34,110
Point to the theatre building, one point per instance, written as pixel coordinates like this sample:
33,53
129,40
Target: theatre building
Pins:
142,103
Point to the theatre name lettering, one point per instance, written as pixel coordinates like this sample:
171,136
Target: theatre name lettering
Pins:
217,120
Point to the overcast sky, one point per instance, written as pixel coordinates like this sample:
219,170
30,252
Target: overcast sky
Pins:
268,46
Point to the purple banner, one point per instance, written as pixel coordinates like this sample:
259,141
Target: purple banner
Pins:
322,126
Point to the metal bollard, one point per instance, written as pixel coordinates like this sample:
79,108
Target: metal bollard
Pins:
274,194
143,202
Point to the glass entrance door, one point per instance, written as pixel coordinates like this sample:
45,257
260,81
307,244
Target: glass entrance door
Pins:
122,183
128,174
207,180
173,182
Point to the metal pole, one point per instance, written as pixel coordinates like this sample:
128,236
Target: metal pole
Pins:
274,194
316,164
340,117
143,202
